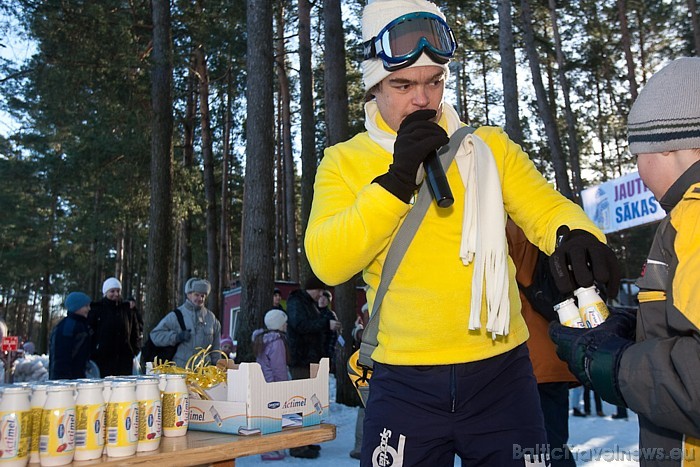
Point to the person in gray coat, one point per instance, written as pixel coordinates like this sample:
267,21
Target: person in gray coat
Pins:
203,329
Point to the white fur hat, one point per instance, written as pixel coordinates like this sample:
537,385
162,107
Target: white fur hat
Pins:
109,284
379,13
197,285
275,319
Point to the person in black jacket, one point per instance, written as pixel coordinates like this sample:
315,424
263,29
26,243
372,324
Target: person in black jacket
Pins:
330,338
307,327
69,348
305,333
116,331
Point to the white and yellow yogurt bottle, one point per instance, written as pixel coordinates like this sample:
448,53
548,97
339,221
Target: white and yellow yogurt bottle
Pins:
176,406
73,384
90,410
591,307
57,438
122,419
15,426
150,414
568,314
38,400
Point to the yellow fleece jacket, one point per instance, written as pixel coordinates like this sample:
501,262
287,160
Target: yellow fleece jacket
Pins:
425,314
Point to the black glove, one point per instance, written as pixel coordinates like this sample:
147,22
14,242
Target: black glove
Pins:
593,355
183,336
418,136
589,259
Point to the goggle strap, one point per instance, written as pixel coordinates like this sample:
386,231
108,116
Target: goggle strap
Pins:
369,50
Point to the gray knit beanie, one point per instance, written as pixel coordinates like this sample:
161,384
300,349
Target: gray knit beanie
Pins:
666,115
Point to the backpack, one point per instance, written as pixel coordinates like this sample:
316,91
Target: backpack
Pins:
151,351
543,293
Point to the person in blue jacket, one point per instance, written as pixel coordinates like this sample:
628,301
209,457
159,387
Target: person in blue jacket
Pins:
69,349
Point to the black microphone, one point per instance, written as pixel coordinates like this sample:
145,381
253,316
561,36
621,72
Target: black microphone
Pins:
437,181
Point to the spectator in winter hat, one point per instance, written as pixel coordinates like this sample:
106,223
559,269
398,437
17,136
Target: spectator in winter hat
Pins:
455,279
117,331
28,348
651,365
70,346
228,346
202,329
271,353
276,320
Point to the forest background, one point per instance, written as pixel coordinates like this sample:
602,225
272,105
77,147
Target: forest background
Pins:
159,140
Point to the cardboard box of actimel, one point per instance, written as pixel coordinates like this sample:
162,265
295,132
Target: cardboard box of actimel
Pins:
255,406
217,416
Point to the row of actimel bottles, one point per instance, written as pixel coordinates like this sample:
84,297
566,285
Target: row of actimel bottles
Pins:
56,422
588,313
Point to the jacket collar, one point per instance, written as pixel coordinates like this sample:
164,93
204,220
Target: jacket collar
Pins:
680,186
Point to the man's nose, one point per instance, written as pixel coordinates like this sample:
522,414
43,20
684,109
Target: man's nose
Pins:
420,96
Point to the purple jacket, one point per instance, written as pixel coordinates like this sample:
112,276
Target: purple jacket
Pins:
273,358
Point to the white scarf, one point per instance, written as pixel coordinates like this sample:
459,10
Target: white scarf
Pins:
483,212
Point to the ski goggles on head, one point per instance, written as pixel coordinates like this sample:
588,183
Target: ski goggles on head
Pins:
400,43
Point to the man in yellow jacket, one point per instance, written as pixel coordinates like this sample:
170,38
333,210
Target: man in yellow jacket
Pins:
451,372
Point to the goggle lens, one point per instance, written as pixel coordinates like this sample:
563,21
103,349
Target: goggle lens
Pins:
405,38
400,43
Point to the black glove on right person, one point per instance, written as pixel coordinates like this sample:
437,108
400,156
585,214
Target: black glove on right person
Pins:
589,260
594,355
418,136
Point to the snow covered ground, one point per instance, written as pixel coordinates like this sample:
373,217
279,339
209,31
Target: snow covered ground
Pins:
595,441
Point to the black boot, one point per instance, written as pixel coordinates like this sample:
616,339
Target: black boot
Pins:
303,452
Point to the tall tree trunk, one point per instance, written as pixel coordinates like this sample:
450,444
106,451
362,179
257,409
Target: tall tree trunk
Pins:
95,289
337,122
280,247
214,301
46,291
160,212
642,39
484,65
289,202
127,287
627,47
574,164
550,125
43,344
508,72
308,135
695,21
224,256
257,266
119,257
600,128
185,240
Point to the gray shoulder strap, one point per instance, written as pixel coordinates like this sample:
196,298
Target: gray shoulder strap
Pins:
398,247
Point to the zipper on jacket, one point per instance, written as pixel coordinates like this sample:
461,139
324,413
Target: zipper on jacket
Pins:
453,387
